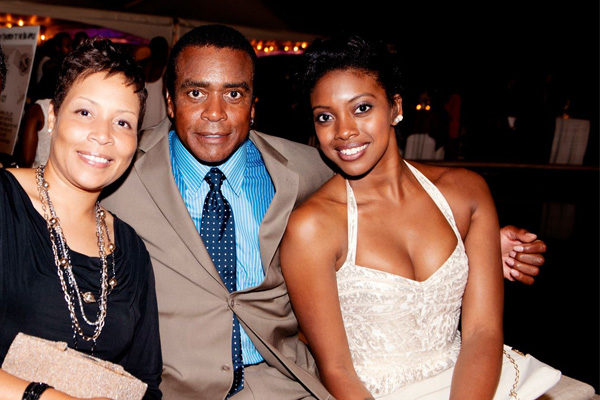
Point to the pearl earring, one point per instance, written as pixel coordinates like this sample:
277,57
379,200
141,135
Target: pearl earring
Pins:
398,118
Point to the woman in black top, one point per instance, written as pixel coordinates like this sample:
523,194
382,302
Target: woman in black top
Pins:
69,270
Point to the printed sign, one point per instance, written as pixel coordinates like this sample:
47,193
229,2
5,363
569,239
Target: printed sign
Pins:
18,45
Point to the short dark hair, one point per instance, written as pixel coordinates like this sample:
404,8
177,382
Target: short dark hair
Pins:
99,55
2,70
351,51
219,36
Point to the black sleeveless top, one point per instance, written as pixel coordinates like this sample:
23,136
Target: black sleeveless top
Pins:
32,301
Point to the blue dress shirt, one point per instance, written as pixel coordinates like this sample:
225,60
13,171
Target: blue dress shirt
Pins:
249,190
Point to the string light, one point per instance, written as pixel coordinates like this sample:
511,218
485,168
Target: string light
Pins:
21,23
419,107
427,107
268,47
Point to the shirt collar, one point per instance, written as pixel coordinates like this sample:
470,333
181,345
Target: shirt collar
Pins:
193,171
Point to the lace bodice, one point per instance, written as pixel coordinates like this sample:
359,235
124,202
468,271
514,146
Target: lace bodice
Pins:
400,330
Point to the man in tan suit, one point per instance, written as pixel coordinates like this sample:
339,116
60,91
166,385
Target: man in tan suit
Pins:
210,101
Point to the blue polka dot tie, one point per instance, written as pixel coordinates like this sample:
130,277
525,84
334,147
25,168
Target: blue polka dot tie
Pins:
218,234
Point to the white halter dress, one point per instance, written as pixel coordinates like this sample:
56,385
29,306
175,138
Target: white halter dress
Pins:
400,330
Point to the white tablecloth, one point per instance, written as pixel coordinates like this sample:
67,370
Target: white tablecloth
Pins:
570,141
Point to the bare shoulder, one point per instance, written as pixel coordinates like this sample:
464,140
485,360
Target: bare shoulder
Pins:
464,190
319,222
459,182
321,210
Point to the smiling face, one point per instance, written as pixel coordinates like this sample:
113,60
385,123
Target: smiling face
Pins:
94,134
212,104
354,120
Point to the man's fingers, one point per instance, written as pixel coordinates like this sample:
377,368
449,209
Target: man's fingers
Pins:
536,260
526,269
520,234
521,277
524,235
506,271
534,247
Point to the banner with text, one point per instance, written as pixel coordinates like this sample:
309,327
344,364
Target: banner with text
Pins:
18,45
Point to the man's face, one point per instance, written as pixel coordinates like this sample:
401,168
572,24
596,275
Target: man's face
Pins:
212,104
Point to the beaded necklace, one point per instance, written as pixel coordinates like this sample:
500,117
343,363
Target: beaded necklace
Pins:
62,260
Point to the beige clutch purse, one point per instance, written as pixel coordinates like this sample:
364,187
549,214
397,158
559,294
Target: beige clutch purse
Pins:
70,371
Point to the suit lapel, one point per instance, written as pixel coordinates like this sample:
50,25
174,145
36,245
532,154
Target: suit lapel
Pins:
285,182
154,170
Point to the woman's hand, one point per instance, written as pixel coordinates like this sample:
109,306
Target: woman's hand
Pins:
521,254
53,394
12,388
61,396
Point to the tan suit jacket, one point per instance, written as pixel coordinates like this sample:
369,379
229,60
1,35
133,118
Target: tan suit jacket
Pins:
195,308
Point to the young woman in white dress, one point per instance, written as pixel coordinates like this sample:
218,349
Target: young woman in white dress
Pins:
388,256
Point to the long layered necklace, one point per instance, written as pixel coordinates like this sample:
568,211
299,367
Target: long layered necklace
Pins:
62,259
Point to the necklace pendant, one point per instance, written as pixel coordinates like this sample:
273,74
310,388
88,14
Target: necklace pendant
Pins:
88,297
112,282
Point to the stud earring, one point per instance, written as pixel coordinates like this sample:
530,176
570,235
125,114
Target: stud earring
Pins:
251,122
398,118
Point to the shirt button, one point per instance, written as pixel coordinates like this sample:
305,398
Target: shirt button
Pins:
225,368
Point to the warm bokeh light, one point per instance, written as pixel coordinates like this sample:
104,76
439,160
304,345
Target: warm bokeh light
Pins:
21,23
9,25
272,47
427,107
419,107
43,37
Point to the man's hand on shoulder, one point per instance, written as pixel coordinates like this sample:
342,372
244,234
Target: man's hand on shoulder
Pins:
521,254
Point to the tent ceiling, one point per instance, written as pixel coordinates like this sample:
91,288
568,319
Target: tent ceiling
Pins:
441,20
251,13
148,18
506,32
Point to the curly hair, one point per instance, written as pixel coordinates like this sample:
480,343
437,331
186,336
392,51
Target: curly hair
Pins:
99,55
350,52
